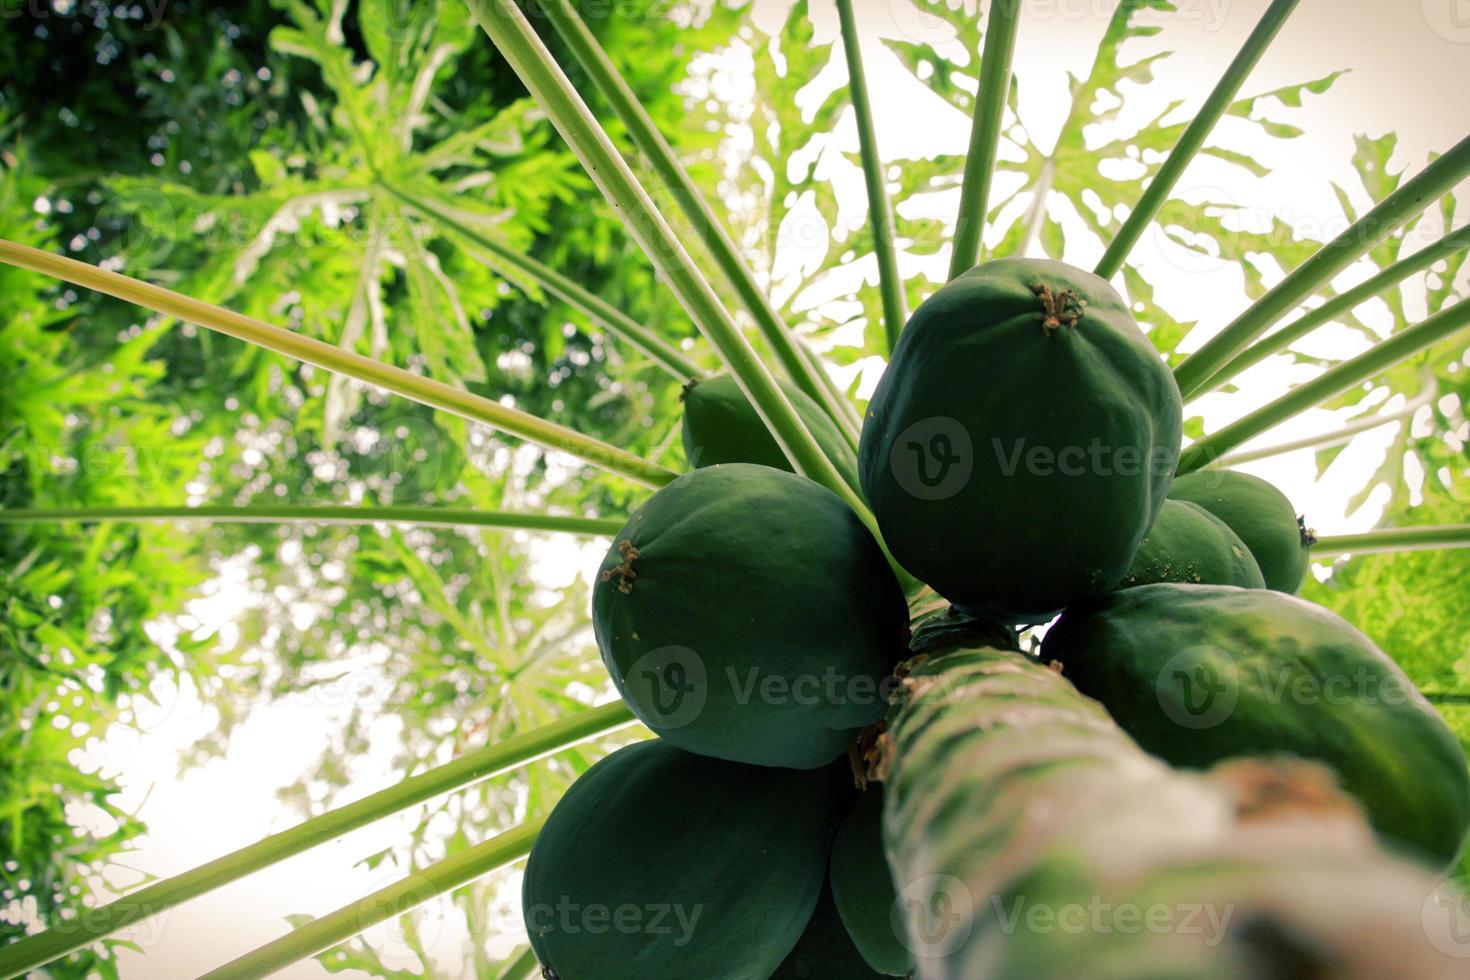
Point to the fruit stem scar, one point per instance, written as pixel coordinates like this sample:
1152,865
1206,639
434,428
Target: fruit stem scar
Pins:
1309,536
624,572
869,755
1060,309
858,766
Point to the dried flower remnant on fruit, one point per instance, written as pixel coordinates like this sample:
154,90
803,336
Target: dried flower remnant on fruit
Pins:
870,754
1309,536
859,770
624,573
883,752
1059,310
1281,787
902,673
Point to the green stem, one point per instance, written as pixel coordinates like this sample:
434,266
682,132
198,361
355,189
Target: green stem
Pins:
319,514
508,28
880,213
1409,200
419,887
590,305
707,227
425,391
35,951
1333,381
990,107
1424,538
1390,277
1194,137
1336,437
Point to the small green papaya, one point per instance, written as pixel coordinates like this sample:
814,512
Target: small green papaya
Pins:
747,614
862,887
661,863
825,951
1021,441
1197,674
1189,544
722,426
1261,515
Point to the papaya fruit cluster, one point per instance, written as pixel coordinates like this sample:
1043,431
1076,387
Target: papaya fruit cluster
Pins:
1019,457
750,619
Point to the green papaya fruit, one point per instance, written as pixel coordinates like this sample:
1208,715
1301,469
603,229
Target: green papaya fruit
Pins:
721,426
825,951
1201,673
1022,440
746,613
1189,544
661,863
1261,515
862,887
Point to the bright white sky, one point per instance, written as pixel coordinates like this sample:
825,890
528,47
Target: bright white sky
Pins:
1411,62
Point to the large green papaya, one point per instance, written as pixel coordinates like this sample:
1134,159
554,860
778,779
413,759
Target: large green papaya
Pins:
825,951
863,890
747,614
661,863
1201,673
1261,515
1189,544
721,426
1022,440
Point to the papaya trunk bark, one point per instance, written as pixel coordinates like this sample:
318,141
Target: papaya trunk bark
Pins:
1029,836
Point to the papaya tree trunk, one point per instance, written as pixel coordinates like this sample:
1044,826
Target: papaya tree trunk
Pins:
1030,837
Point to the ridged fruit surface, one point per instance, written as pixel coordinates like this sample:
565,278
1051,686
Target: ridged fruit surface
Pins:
825,950
1021,441
1189,545
1197,674
746,613
862,887
1260,514
721,426
661,863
